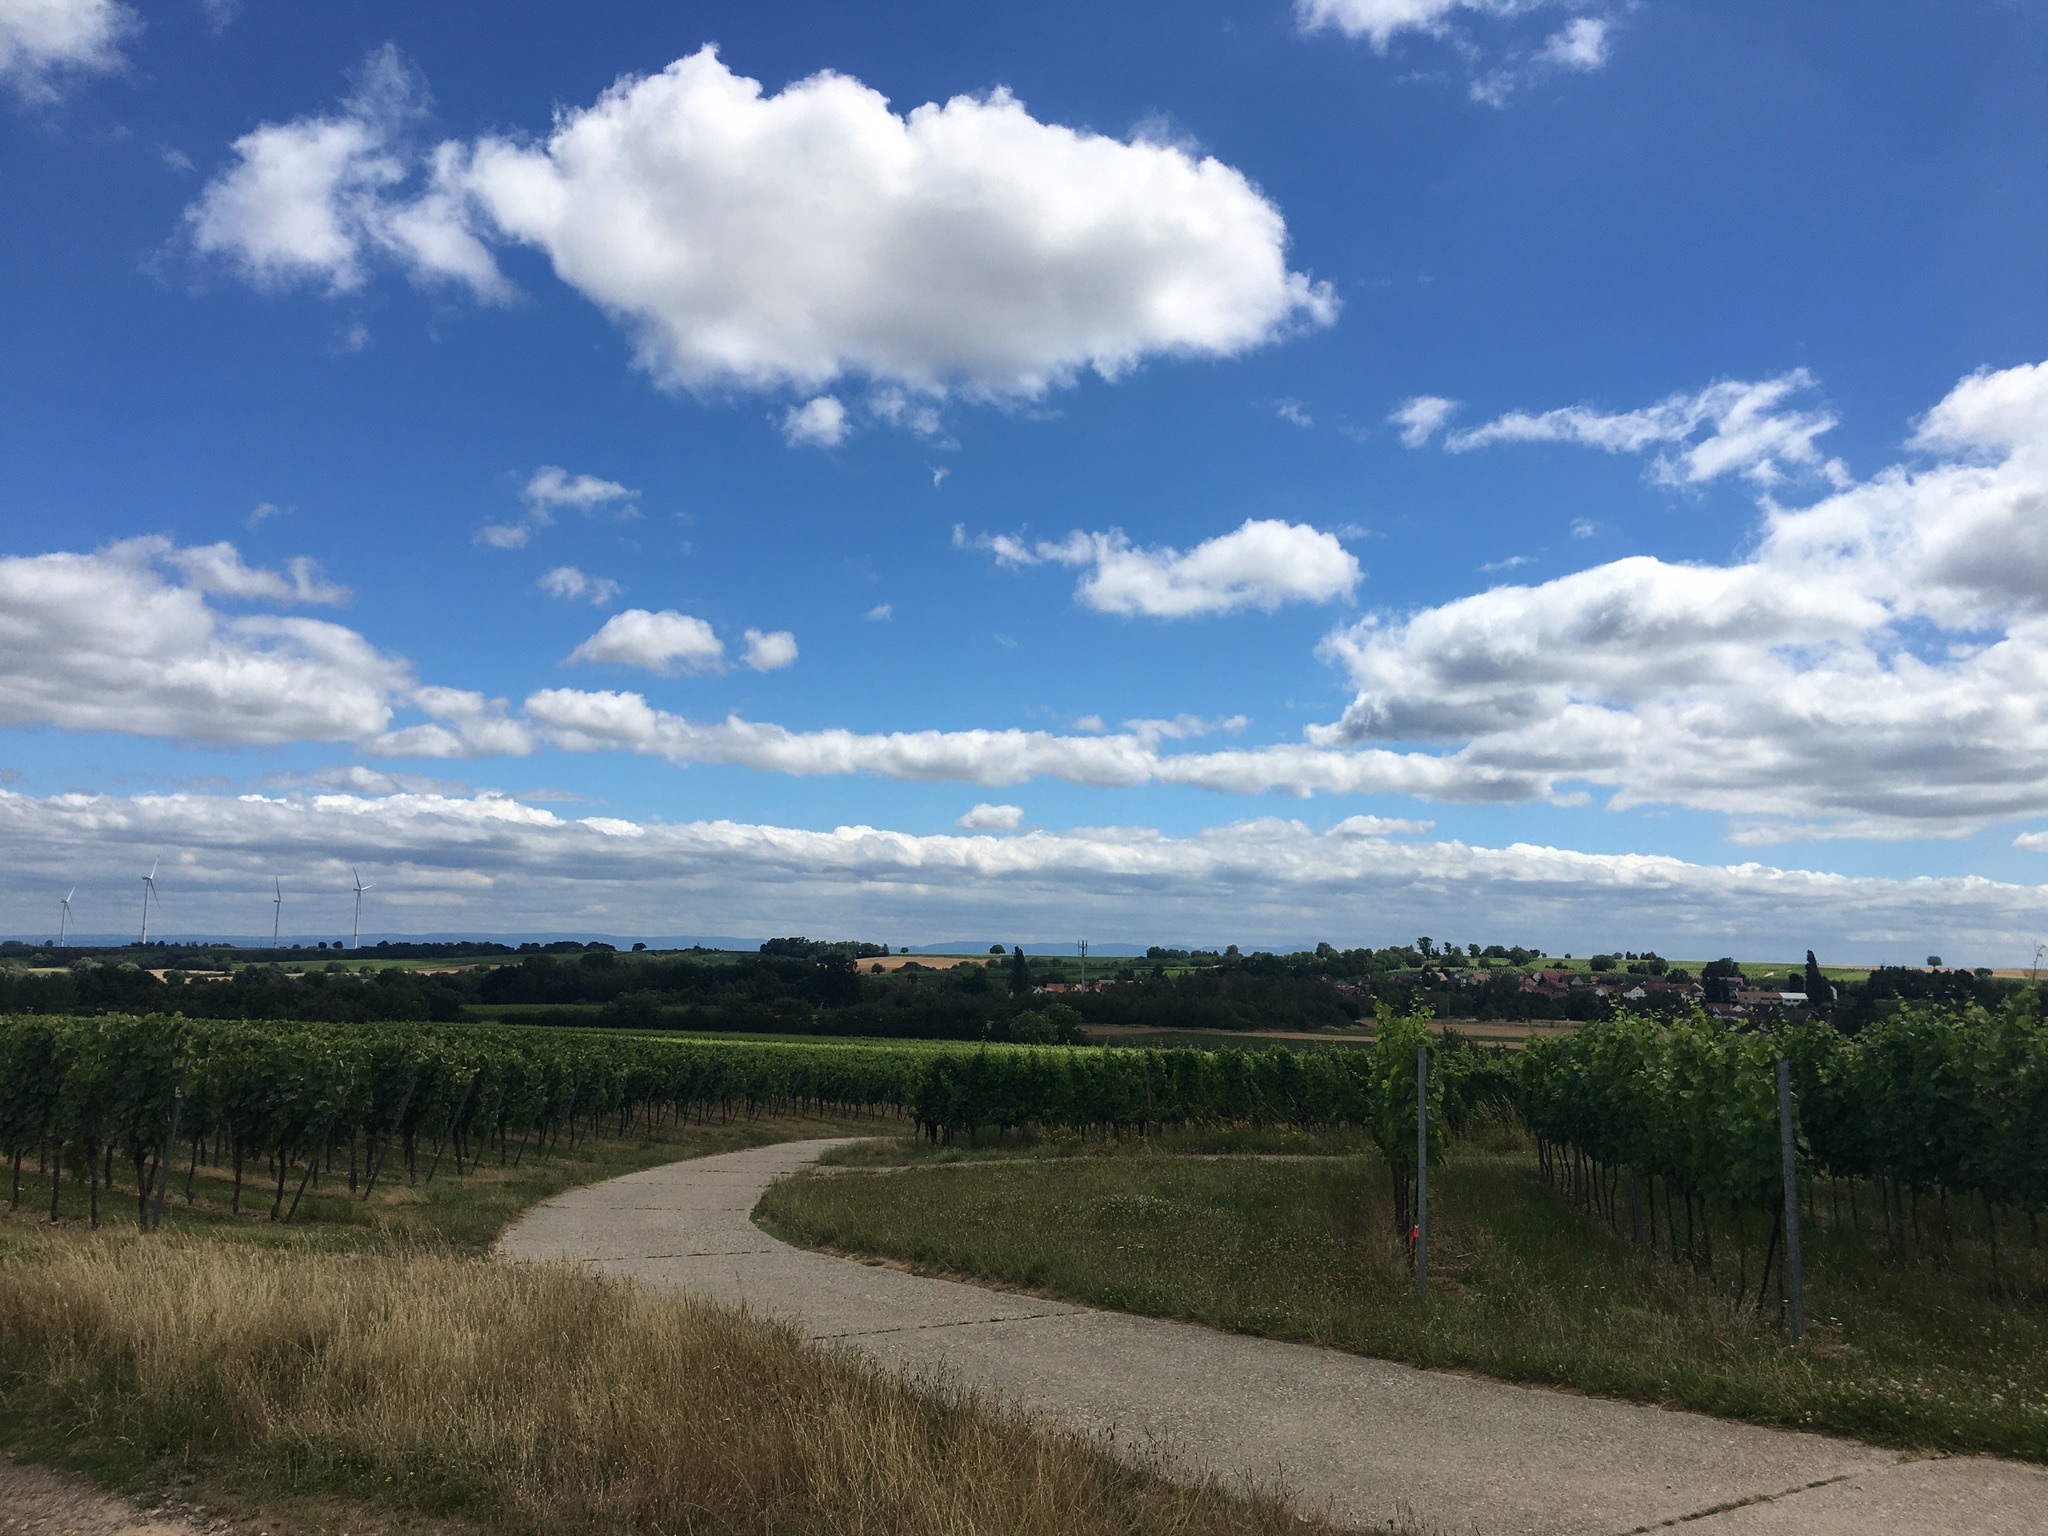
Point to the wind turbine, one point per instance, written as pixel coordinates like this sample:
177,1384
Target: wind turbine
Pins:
276,909
64,915
149,895
355,940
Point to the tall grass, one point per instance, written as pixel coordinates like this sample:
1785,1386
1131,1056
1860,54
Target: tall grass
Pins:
532,1399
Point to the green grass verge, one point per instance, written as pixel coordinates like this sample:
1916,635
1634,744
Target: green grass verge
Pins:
1926,1353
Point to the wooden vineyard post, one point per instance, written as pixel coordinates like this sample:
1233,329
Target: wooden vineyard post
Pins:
1422,1170
1789,1145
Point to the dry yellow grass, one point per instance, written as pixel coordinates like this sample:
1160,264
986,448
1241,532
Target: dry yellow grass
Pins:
534,1399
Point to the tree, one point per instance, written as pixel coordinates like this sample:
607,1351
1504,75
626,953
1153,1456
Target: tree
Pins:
1020,971
995,949
1934,962
1818,993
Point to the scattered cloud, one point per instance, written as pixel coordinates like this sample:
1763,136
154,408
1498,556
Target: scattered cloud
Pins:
572,585
1506,565
124,640
1184,727
220,14
1262,564
552,489
668,642
1294,411
259,513
817,423
769,651
881,612
1875,667
1582,528
785,240
992,818
317,199
494,863
1582,45
1422,418
42,42
1732,427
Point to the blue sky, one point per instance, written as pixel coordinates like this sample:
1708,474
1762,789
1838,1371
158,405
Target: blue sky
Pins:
1562,473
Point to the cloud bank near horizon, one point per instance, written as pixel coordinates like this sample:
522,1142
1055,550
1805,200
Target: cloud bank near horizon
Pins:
495,863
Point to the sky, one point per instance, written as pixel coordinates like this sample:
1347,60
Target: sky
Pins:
1570,473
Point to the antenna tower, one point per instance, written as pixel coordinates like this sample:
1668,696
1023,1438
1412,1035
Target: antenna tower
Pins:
1082,945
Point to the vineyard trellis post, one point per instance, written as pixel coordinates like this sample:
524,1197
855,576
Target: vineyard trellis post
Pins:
1788,1142
1422,1170
163,1175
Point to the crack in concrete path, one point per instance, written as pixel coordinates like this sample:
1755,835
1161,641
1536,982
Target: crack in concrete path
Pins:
1368,1442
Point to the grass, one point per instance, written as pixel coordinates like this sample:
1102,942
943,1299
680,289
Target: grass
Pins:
522,1399
1926,1353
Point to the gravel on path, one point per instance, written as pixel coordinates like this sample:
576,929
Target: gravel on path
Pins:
1369,1443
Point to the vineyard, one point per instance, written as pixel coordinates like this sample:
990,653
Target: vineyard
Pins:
1673,1128
1668,1128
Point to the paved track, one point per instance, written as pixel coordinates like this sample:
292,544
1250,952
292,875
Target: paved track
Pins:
1368,1442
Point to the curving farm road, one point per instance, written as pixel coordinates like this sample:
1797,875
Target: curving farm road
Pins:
1368,1442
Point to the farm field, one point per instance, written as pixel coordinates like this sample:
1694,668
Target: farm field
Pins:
1931,1353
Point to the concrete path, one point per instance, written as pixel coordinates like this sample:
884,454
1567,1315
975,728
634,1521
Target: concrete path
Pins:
1367,1442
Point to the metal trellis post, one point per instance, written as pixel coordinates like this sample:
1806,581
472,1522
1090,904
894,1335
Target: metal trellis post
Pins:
1789,1145
1422,1170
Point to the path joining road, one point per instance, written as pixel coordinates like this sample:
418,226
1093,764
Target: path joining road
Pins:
1367,1442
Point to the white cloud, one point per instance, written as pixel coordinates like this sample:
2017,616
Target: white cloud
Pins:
491,863
1293,411
313,200
1262,564
218,569
817,423
991,818
1581,44
1878,666
551,489
765,241
769,651
42,40
581,721
1422,418
124,640
667,642
572,585
880,612
1379,21
1732,427
1183,727
1582,528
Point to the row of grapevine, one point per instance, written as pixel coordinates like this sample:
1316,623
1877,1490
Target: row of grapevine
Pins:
1933,1101
273,1100
81,1093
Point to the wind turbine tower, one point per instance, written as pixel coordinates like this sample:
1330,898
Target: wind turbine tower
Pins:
149,895
355,940
64,915
276,909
